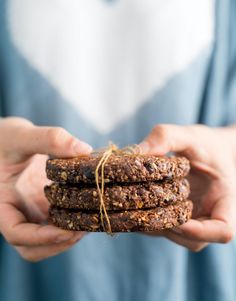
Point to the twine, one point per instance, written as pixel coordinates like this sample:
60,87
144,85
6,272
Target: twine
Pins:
106,153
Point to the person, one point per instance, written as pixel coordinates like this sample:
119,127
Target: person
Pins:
76,75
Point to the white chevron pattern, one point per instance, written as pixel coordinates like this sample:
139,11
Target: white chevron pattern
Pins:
108,58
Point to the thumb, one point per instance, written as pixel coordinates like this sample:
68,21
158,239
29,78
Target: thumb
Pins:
166,138
53,141
25,140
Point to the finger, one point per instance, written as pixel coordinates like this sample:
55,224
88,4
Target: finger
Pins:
35,254
29,140
170,138
35,211
33,195
208,230
51,140
154,233
18,232
194,246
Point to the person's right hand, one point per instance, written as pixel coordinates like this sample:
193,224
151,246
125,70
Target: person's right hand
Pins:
24,149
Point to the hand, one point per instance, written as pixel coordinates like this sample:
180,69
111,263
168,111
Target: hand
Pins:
23,207
212,154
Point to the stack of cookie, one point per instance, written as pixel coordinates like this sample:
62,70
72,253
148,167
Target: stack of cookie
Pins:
141,193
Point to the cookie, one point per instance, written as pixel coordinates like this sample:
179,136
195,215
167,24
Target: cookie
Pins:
126,221
116,197
118,169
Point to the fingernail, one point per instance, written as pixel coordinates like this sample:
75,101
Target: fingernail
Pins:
145,147
64,237
177,230
82,147
79,236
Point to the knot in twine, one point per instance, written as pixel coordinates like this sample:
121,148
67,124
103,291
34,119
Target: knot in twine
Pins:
106,153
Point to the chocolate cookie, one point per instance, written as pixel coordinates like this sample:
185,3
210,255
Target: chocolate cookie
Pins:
125,221
116,197
118,169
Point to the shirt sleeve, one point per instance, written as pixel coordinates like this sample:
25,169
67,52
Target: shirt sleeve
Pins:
231,73
219,97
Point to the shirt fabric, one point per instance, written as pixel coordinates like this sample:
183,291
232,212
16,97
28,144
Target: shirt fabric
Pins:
111,70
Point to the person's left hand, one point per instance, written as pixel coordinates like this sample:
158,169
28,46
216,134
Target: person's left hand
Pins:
212,154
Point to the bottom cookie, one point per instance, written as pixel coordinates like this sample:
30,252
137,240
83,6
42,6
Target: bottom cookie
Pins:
125,221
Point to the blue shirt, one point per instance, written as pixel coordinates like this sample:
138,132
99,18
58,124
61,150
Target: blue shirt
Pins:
127,266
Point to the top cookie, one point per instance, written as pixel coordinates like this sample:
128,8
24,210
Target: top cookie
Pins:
118,169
